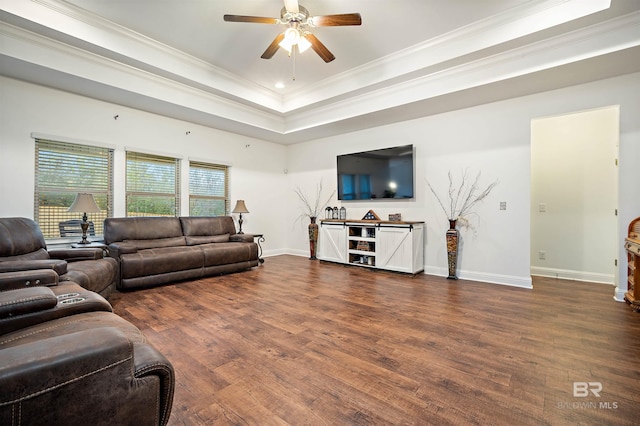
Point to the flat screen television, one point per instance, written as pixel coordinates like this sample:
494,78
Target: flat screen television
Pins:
379,174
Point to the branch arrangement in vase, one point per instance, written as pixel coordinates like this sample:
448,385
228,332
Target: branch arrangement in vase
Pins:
463,198
313,207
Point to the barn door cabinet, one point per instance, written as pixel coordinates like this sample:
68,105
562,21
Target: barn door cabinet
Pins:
393,246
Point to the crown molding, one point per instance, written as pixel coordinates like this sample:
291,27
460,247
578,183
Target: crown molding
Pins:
142,52
138,50
157,90
518,22
41,51
599,39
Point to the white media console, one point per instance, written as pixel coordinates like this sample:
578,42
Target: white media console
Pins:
393,246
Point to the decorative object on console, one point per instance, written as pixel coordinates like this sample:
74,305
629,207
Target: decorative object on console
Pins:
84,203
328,213
240,208
343,213
312,210
336,213
371,215
462,199
395,217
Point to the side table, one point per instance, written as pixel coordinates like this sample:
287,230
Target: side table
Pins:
103,246
259,238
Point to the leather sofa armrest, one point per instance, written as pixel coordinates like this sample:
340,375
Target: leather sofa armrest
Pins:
241,238
98,362
26,301
117,249
31,278
73,255
59,266
150,362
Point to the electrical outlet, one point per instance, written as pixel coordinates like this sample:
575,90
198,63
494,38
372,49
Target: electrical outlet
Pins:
542,255
542,207
503,205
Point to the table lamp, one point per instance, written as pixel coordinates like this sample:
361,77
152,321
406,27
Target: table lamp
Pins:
84,203
240,208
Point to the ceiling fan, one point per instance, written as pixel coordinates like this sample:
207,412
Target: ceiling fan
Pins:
298,22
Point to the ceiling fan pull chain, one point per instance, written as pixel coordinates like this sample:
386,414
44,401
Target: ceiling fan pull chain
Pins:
293,54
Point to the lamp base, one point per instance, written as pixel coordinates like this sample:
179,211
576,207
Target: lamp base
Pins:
240,223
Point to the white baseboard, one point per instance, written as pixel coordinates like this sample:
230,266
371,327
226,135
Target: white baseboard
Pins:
567,274
618,295
509,280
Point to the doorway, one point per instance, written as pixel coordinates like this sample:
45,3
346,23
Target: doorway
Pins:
574,195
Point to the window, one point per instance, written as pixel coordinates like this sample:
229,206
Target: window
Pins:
208,189
64,169
153,185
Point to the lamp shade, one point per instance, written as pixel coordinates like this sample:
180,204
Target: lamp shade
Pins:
240,207
84,203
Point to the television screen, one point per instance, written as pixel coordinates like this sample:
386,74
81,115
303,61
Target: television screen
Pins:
378,174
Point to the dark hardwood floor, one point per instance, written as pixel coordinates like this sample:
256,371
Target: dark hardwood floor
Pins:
306,343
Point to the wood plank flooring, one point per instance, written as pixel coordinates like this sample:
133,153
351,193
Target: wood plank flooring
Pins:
301,342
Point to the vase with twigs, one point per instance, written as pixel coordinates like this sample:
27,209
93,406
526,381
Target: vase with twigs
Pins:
462,198
312,209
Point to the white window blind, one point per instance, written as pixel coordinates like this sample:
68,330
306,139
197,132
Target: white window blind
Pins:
61,171
208,189
153,185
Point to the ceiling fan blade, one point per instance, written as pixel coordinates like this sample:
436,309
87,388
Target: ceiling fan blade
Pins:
336,20
273,47
291,6
252,19
319,48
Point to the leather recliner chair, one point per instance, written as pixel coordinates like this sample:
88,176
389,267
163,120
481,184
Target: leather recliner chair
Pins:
66,359
23,248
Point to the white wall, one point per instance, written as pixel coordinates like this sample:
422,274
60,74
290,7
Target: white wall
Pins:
256,173
492,138
574,176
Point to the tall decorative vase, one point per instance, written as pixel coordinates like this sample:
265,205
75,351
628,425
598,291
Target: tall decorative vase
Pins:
313,238
452,249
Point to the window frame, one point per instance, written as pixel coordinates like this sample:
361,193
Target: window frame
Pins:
152,192
194,197
74,161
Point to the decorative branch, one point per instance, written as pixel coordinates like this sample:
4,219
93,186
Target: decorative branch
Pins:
463,198
313,208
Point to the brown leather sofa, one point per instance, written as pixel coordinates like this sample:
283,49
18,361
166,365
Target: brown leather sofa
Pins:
158,250
66,359
22,248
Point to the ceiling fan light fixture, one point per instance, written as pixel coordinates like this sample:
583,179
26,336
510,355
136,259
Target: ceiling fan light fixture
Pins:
303,44
291,38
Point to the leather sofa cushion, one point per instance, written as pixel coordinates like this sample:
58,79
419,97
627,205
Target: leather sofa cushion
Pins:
71,324
39,254
140,228
206,239
68,299
154,243
160,261
228,253
218,225
59,266
19,235
26,301
94,275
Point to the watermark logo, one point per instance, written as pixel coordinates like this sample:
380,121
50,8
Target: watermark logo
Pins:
582,389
